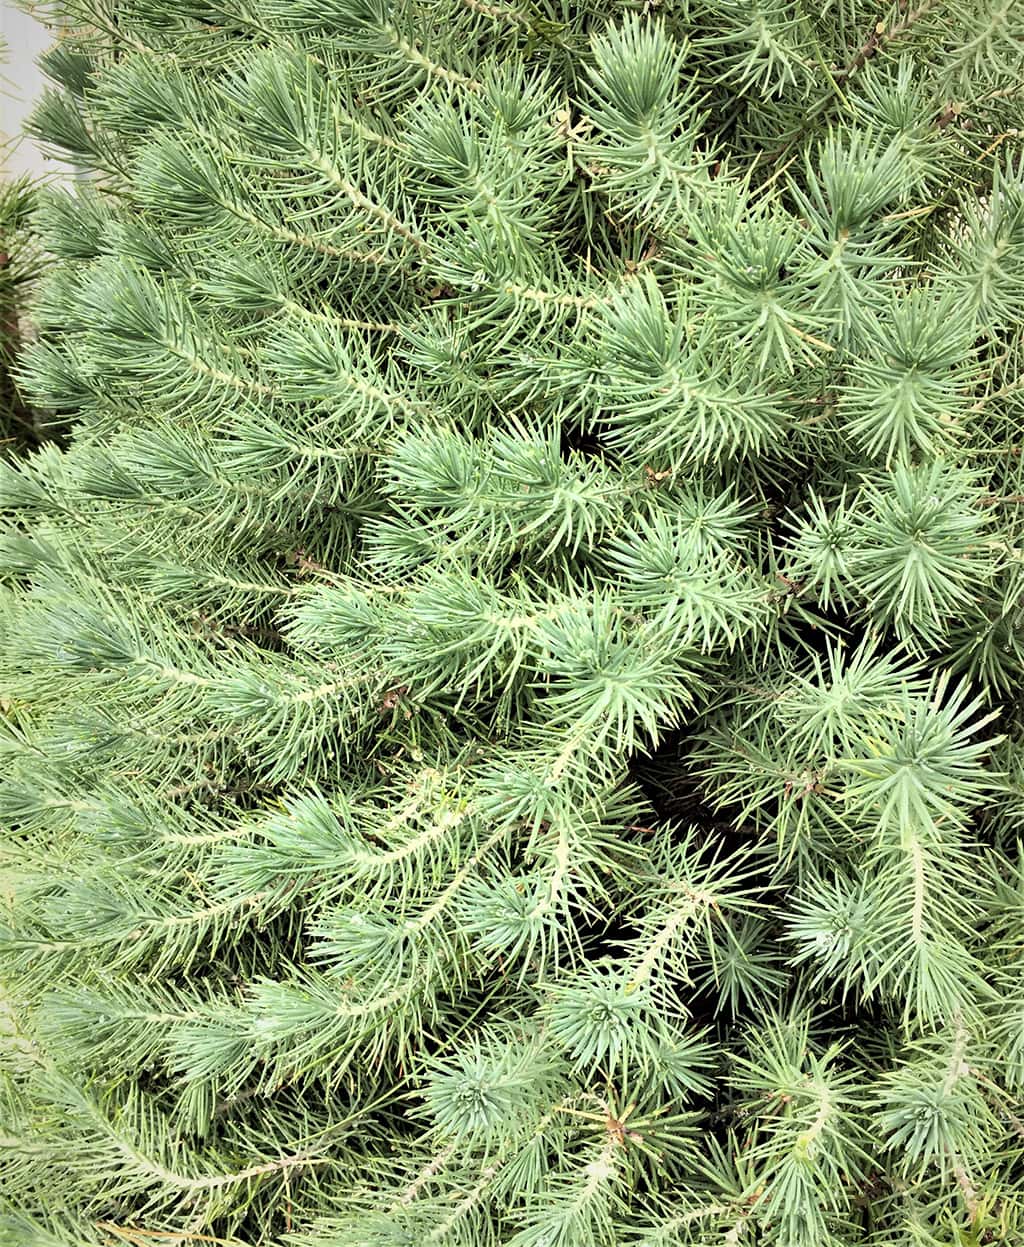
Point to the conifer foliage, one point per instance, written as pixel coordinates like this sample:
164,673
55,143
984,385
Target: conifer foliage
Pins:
18,265
510,658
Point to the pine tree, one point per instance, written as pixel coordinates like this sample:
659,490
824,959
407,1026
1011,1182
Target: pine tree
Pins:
510,671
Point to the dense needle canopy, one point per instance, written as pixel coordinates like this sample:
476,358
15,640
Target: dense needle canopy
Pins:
511,641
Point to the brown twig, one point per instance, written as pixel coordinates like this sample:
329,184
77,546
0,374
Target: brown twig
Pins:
880,38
